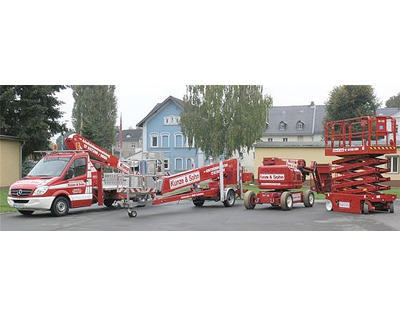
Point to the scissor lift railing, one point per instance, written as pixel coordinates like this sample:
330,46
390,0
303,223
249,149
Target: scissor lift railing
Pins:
357,177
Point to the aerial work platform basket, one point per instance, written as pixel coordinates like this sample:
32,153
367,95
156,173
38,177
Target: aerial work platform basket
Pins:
357,178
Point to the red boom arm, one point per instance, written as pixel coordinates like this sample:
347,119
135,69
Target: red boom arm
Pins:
195,176
78,142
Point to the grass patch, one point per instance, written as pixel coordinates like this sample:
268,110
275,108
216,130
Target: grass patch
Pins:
4,207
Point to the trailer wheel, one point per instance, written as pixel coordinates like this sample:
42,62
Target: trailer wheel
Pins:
198,202
109,202
308,198
26,213
60,206
286,201
132,213
391,207
230,199
248,200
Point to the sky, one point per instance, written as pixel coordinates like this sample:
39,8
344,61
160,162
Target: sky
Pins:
134,102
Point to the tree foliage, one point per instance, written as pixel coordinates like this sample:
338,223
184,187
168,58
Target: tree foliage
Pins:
218,118
94,113
30,113
351,101
393,102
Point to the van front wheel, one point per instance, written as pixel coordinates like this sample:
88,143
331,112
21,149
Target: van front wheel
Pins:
60,206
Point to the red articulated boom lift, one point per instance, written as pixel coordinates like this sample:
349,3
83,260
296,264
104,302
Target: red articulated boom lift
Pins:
278,176
355,181
217,182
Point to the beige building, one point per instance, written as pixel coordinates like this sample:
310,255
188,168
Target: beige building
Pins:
131,142
312,151
10,160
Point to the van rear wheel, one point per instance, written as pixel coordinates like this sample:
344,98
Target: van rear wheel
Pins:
109,202
60,206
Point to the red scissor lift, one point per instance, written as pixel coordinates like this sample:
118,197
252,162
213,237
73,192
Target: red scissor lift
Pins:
357,177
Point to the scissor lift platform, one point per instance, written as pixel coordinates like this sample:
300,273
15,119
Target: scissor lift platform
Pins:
357,177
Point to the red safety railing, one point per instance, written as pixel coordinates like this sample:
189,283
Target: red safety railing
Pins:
361,135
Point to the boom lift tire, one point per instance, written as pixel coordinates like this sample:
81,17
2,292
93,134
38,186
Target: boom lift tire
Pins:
230,198
308,198
25,212
60,206
286,201
198,202
248,200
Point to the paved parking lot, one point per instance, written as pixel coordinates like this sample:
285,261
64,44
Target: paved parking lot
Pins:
213,216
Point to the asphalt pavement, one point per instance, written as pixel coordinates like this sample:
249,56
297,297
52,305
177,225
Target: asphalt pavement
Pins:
213,216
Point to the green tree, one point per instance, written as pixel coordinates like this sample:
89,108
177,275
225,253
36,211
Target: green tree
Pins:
393,102
351,101
224,118
30,113
94,113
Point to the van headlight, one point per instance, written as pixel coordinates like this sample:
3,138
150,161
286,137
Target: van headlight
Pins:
40,190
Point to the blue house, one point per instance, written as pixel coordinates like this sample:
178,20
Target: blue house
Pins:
162,133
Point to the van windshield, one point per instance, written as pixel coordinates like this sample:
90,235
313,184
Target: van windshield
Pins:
49,167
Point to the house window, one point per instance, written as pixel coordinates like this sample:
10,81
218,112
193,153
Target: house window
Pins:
282,126
179,140
300,138
172,120
270,139
165,140
284,139
178,164
189,163
393,164
154,140
300,125
166,164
